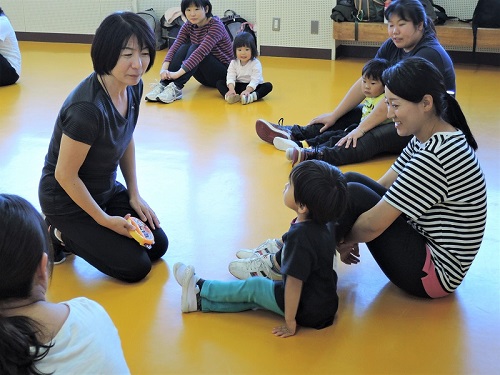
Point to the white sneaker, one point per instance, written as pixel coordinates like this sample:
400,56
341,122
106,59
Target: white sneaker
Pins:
187,279
258,266
170,94
270,246
231,99
157,89
289,153
249,98
284,144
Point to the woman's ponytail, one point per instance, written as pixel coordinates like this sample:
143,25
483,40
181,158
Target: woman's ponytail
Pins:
456,117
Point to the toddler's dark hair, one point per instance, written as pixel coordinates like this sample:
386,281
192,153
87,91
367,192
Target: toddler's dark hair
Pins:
374,68
244,39
322,187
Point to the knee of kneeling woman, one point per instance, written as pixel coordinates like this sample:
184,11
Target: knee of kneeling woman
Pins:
160,247
135,272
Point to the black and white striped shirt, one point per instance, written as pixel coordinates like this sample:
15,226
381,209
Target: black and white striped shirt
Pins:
441,189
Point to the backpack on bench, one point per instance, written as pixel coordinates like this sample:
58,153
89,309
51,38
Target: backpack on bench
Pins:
486,14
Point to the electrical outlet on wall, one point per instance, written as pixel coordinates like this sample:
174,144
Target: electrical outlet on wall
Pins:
314,27
276,23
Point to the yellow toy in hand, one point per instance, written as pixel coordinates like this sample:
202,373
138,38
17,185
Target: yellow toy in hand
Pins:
141,233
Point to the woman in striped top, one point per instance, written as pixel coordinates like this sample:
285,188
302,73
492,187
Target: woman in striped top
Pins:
202,49
424,220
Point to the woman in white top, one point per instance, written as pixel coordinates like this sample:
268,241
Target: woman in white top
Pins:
244,81
37,336
10,56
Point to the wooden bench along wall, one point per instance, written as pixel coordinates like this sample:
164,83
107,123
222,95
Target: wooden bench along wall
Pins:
451,34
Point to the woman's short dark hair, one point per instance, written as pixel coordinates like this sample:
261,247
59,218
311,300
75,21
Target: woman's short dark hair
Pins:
322,188
374,68
244,39
413,78
23,240
112,36
412,11
198,3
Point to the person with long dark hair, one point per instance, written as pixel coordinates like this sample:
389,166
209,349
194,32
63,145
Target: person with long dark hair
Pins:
424,220
36,335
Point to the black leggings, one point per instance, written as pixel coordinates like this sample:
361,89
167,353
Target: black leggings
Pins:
8,75
379,140
111,253
400,250
261,90
208,72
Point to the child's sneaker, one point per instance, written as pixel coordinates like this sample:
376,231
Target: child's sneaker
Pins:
301,154
289,153
258,266
270,246
231,99
170,94
247,99
157,89
186,278
284,144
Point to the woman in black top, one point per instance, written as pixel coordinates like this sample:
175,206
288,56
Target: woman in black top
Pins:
411,33
93,134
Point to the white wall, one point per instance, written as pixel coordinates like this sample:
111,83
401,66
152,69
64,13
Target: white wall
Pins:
83,16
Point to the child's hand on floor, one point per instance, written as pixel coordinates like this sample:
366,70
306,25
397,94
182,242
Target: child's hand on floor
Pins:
286,330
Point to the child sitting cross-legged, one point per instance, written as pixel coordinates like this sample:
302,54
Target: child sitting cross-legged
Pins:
244,81
307,294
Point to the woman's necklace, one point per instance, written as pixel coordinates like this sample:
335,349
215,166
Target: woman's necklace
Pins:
104,85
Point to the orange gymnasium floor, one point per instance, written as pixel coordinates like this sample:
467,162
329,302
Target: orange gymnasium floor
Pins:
217,188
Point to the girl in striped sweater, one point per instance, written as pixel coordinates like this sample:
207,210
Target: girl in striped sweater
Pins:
202,49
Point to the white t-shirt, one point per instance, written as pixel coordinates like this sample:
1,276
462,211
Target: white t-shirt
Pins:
250,73
9,48
87,343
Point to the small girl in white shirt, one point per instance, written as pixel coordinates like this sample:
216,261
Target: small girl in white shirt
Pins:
244,81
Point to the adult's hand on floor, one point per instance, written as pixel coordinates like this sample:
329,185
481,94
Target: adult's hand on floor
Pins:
349,253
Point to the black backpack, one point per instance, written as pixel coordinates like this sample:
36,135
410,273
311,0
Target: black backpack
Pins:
486,14
170,30
235,24
154,22
436,12
343,11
